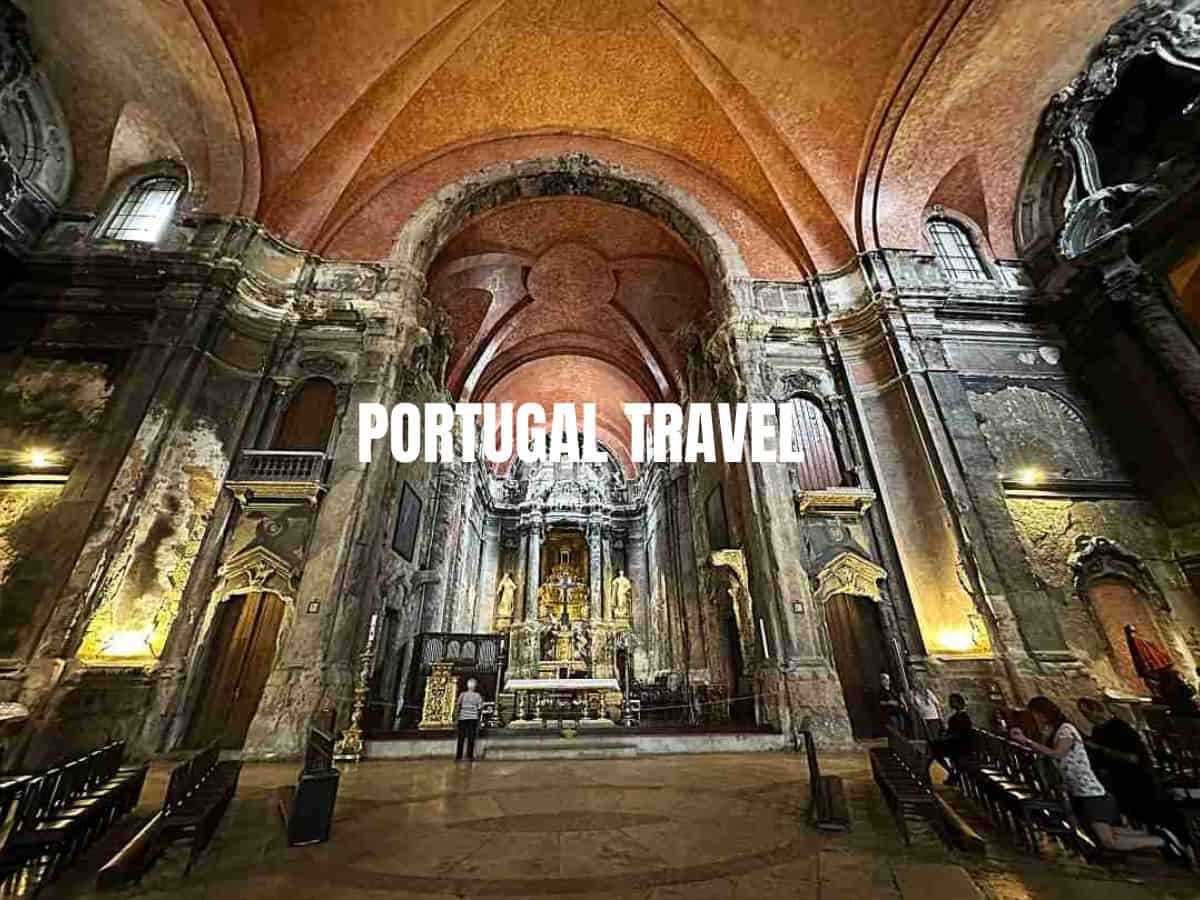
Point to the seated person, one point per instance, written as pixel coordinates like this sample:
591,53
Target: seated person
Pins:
1122,762
959,741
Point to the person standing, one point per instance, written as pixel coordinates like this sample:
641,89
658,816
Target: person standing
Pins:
467,710
927,710
892,705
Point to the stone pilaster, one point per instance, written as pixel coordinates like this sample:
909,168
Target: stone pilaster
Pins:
1147,302
595,571
533,564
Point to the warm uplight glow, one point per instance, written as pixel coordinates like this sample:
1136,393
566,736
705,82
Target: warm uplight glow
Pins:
129,643
956,640
39,458
1030,476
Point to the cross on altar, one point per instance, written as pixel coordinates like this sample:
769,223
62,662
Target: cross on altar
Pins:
565,583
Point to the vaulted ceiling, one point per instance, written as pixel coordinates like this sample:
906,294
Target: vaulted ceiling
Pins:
809,129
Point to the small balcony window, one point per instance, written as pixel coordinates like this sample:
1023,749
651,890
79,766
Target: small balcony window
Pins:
956,253
146,210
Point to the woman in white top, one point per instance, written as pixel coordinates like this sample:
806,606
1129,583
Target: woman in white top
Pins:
1091,802
927,709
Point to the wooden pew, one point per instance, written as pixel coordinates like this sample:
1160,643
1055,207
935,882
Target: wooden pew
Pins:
47,819
828,810
1020,790
307,806
199,791
901,770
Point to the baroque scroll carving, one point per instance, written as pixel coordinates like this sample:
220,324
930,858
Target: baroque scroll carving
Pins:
1096,558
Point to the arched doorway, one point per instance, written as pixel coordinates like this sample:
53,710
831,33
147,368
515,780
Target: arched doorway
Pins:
240,659
308,421
857,640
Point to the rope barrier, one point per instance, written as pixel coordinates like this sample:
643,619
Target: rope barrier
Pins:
703,703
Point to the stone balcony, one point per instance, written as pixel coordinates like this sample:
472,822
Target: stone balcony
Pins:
279,475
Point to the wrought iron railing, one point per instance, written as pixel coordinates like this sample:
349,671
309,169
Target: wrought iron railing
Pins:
281,466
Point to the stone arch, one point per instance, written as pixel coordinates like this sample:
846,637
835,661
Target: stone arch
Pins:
447,211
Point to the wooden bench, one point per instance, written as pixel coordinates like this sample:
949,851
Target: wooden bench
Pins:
901,769
307,806
828,810
198,792
48,818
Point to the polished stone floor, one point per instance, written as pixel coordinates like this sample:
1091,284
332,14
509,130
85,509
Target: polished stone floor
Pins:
696,827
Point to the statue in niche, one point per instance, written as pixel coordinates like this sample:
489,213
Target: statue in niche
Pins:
622,593
506,598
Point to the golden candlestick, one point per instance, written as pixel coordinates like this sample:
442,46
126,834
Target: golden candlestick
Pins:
349,747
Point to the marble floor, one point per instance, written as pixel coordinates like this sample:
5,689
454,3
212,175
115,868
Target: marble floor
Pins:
724,826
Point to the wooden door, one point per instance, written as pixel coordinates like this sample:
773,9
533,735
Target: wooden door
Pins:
243,651
856,634
308,422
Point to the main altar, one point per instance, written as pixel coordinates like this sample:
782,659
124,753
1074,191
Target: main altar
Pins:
562,657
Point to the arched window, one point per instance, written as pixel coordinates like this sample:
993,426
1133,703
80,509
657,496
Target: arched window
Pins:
308,422
146,210
821,467
956,253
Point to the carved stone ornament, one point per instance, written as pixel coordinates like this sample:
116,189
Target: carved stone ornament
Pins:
258,569
1097,558
323,365
794,383
848,573
1097,213
843,501
1169,28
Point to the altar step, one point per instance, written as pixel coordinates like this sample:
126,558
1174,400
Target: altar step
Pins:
503,745
502,749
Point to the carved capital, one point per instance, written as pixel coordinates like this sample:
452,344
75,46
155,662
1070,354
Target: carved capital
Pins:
849,573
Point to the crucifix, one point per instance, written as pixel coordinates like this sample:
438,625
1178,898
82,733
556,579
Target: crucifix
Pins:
564,587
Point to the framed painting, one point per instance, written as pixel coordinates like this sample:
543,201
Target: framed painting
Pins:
408,523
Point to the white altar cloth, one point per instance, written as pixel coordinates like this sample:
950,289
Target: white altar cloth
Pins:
562,684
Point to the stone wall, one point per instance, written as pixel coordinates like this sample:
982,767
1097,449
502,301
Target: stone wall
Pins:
1049,529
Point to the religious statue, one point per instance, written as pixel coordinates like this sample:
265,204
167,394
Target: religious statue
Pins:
547,595
622,594
506,593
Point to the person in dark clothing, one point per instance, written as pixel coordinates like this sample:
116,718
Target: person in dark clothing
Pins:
1122,762
959,741
892,705
1177,695
467,711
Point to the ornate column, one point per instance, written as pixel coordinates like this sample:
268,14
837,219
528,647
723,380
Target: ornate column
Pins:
595,571
533,565
1147,301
